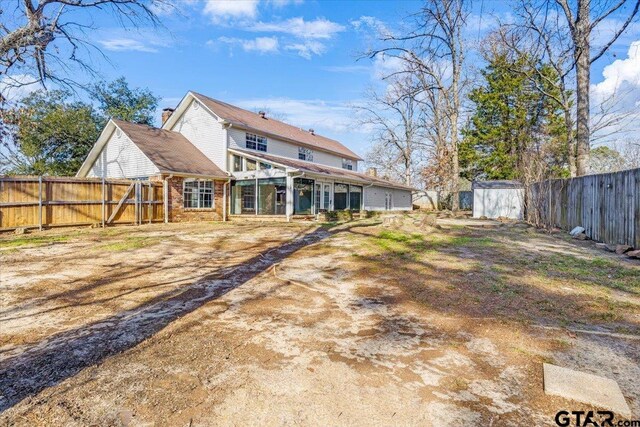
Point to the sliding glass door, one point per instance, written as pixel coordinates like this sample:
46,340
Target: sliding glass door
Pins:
323,196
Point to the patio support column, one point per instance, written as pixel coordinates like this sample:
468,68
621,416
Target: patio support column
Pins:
289,206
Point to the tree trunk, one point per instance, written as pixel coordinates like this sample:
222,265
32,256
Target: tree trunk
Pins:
571,141
583,68
455,167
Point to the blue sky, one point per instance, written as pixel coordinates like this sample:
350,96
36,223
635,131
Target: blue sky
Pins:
297,58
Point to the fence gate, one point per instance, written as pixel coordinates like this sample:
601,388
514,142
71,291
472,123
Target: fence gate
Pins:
38,202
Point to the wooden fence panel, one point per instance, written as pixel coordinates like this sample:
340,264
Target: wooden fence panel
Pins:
27,201
606,205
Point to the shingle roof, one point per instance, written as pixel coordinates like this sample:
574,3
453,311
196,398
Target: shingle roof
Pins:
250,120
496,184
315,168
170,151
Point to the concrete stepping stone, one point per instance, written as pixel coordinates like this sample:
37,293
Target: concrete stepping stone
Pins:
585,388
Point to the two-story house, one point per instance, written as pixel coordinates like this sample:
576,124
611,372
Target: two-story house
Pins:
220,160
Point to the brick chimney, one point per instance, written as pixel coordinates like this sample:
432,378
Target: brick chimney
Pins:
166,113
372,172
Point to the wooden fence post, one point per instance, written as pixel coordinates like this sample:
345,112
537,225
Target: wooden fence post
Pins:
150,209
165,201
40,202
104,196
135,202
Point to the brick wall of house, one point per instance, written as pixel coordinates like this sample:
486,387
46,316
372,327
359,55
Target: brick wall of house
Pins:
177,211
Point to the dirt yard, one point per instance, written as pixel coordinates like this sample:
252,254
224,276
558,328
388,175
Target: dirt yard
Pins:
298,324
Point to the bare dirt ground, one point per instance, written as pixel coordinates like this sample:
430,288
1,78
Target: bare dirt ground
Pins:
277,324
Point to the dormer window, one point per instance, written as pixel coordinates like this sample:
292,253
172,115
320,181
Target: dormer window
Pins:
347,164
305,154
256,142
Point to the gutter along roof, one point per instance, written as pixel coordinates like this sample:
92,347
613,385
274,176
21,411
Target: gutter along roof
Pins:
316,168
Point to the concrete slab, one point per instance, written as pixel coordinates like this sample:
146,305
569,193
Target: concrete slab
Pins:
585,388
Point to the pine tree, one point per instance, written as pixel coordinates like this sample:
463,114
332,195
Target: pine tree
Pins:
512,122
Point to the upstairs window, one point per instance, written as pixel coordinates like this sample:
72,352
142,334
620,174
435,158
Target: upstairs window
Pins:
347,164
256,142
197,194
305,154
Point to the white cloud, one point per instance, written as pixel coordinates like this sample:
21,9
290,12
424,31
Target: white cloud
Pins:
317,114
319,28
307,49
222,10
615,101
370,23
13,88
261,45
620,74
385,65
123,44
282,3
140,40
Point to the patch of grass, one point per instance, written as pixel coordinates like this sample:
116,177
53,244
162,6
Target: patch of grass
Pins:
37,240
596,271
399,243
468,241
398,236
130,243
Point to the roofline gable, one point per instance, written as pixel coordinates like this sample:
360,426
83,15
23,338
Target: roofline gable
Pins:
97,148
100,144
181,108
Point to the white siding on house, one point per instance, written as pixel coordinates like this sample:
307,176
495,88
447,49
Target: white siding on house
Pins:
374,198
121,158
204,131
285,149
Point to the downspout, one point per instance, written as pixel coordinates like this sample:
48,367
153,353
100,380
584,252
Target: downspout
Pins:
166,197
224,197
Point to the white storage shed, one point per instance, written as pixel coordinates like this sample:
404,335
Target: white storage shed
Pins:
494,199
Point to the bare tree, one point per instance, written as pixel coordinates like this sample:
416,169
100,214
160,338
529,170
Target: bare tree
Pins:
45,38
433,53
395,117
540,37
582,17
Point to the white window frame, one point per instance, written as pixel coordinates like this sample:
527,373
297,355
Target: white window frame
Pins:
347,164
201,189
255,142
305,154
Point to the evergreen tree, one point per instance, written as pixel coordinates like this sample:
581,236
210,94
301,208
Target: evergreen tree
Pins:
512,122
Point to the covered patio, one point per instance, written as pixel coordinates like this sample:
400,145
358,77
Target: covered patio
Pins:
268,186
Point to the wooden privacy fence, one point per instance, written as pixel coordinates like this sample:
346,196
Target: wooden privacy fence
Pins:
27,201
606,205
